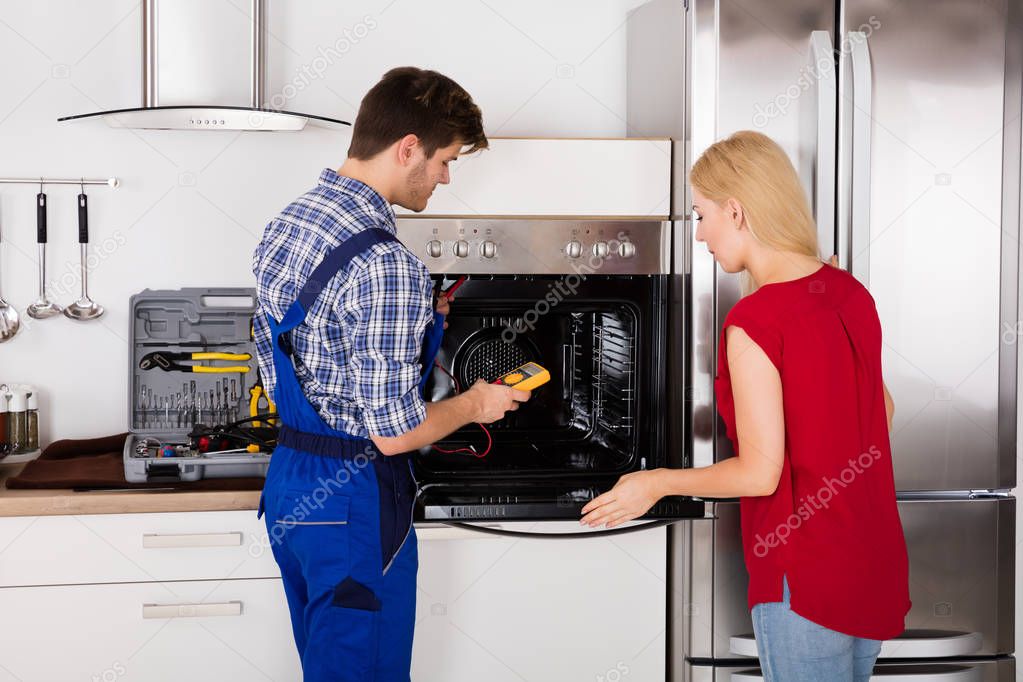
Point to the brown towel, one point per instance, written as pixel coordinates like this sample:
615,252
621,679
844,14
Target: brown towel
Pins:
98,463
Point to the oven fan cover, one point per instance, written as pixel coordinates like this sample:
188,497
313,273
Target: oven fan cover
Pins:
486,354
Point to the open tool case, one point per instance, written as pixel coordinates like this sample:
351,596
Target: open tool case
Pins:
166,404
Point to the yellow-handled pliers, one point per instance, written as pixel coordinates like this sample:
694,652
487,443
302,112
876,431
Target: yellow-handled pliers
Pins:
257,393
172,362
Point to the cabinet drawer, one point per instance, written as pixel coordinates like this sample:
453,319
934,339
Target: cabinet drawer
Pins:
108,548
206,630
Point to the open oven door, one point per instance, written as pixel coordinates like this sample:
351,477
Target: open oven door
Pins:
531,501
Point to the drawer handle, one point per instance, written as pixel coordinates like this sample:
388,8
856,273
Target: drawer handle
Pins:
156,540
164,611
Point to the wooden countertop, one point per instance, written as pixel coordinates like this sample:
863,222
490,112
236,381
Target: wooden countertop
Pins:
51,502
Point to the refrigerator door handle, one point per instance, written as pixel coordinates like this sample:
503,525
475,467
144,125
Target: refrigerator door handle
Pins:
854,202
911,644
959,673
823,154
934,644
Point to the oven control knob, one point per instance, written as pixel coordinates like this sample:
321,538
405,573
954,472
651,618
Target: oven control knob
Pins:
573,249
488,249
433,247
461,248
626,249
600,249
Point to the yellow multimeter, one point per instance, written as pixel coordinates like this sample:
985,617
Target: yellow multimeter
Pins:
525,378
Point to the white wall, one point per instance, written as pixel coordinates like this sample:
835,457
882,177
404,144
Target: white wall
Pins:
192,204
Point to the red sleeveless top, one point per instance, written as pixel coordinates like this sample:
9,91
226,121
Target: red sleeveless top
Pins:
832,526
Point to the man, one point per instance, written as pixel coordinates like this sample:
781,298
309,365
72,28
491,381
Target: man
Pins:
344,311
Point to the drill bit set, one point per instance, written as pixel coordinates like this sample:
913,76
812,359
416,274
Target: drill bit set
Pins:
186,408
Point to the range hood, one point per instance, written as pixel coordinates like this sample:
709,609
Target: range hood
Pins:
206,116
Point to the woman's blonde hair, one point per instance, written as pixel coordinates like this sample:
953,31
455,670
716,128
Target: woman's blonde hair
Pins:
751,168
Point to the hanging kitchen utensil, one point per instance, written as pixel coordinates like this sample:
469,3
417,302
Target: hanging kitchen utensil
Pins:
84,308
43,306
9,322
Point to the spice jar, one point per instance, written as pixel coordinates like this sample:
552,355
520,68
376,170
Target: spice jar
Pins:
18,421
32,421
5,443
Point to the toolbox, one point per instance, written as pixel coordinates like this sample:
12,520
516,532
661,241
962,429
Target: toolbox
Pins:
193,368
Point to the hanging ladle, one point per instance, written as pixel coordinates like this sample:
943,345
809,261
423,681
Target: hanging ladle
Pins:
84,308
9,322
43,306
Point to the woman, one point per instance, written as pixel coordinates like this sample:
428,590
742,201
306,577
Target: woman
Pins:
800,390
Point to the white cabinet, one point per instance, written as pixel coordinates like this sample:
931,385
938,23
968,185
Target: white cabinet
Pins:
106,548
167,596
197,596
114,633
640,185
514,609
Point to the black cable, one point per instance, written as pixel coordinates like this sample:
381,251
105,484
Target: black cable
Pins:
238,437
232,431
257,418
555,536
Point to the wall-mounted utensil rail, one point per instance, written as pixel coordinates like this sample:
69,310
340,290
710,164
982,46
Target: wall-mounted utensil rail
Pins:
112,183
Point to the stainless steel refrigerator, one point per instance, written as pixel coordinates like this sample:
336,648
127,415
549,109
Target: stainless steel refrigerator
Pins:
903,119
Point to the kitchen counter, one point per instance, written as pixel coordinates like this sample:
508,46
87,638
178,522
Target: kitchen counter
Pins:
55,502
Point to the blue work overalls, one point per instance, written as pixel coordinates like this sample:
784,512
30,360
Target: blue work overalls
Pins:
339,518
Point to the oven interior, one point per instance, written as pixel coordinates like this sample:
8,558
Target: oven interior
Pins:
588,419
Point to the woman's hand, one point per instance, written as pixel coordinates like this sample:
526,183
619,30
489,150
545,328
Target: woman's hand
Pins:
631,497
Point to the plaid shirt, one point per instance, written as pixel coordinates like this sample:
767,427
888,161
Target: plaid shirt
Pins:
357,355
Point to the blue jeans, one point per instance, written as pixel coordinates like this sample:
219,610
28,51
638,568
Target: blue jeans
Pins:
794,649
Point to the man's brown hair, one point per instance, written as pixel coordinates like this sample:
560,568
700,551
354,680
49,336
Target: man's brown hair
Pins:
427,104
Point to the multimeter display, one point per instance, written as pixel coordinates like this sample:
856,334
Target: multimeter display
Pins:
525,378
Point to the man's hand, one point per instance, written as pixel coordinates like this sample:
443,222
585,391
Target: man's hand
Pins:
491,401
482,403
631,497
444,306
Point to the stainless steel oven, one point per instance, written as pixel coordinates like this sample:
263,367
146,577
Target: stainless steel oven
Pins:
588,301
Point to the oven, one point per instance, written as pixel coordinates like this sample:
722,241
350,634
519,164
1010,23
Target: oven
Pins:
588,301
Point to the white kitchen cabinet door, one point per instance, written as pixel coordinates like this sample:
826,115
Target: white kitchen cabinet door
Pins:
108,548
509,610
527,177
148,632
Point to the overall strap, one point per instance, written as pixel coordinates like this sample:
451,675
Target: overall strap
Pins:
431,346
